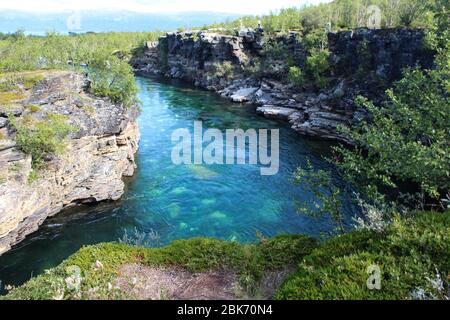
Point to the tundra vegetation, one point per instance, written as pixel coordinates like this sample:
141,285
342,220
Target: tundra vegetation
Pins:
398,162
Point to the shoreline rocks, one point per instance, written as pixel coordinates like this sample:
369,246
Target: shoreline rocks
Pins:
362,62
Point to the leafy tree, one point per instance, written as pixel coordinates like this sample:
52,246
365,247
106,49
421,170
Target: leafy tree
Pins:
113,78
329,196
296,76
406,140
41,138
317,66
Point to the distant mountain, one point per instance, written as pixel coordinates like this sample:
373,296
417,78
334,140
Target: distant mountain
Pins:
107,20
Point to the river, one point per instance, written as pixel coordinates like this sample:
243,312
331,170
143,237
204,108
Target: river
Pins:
232,202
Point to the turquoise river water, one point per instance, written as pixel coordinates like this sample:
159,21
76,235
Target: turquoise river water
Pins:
232,202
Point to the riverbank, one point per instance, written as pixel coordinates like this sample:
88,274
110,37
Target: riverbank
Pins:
412,255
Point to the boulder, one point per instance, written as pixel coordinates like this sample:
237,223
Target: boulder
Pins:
275,112
243,95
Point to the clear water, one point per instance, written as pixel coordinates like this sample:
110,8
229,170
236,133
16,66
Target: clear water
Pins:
178,202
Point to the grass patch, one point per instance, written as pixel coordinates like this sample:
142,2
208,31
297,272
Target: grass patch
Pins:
12,81
9,97
409,253
30,81
6,86
41,138
199,254
33,108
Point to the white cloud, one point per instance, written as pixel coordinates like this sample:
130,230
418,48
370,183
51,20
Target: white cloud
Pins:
229,6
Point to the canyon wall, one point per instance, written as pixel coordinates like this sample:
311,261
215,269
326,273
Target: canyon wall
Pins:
362,62
97,155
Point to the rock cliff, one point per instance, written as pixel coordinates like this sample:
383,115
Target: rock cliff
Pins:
97,155
361,61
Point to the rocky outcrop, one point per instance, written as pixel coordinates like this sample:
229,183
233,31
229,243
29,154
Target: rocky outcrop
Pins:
363,62
96,158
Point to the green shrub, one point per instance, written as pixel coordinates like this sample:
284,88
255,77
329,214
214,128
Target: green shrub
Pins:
254,67
317,65
31,80
406,140
223,70
275,49
329,199
409,254
33,108
9,97
113,78
7,86
41,138
296,76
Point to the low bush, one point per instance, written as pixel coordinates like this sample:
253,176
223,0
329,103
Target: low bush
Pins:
41,138
113,78
296,76
9,97
250,261
412,254
317,65
223,70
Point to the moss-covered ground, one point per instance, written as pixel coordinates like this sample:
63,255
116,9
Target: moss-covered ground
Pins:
410,254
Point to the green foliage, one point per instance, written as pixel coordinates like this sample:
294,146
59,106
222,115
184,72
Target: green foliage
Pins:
406,140
29,81
113,78
223,70
296,76
409,254
409,11
33,108
344,14
329,196
364,59
41,138
7,98
317,65
315,40
254,67
56,51
275,49
196,255
276,58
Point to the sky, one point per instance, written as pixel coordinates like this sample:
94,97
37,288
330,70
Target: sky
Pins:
251,7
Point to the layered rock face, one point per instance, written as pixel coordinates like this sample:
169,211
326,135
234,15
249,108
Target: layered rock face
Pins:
97,156
362,62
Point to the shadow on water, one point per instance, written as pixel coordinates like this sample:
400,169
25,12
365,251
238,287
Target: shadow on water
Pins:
231,202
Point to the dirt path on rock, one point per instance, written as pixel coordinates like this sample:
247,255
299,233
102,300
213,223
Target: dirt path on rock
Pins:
158,283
